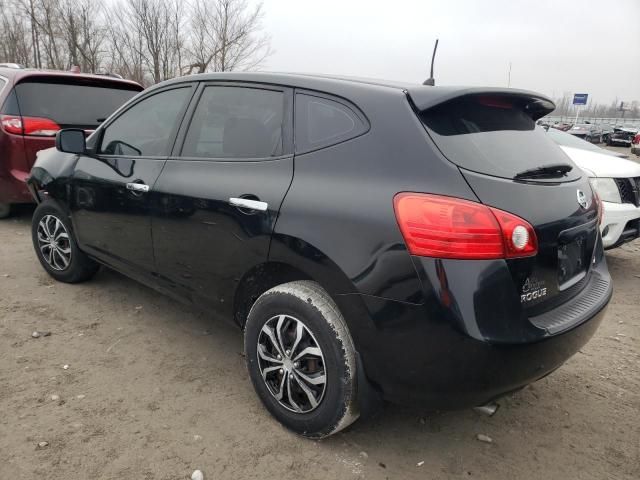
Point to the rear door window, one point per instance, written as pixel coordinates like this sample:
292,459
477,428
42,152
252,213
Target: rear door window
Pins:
72,105
237,122
492,135
322,122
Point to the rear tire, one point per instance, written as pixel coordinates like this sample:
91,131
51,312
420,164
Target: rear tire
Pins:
56,247
312,394
5,210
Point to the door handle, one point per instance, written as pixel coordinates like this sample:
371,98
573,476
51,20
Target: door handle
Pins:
248,203
138,187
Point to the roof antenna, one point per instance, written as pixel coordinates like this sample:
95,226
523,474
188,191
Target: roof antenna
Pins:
432,81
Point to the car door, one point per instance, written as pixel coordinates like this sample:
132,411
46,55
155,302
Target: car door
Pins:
220,192
113,184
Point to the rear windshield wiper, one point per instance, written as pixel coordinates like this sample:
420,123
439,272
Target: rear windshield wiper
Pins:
551,171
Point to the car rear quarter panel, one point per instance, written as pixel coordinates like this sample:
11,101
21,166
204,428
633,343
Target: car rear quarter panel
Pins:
340,204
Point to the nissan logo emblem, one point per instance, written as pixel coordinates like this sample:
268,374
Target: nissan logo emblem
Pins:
582,200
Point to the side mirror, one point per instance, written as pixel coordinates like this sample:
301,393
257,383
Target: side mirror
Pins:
71,140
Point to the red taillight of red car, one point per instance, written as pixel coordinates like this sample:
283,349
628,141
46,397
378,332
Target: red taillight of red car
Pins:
636,139
447,227
33,126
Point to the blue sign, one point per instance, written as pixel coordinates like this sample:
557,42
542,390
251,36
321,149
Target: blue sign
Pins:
580,98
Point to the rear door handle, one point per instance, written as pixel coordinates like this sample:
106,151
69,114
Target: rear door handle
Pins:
248,203
138,187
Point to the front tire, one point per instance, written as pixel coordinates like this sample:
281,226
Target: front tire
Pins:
56,247
301,359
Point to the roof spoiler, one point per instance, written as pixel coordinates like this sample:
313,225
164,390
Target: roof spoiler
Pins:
534,104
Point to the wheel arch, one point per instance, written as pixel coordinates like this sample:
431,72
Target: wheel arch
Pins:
290,259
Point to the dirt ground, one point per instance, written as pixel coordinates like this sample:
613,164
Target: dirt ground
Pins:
154,391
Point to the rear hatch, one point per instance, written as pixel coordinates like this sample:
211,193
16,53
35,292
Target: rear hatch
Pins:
40,105
515,167
67,101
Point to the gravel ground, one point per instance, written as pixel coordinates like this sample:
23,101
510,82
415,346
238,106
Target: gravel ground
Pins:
153,390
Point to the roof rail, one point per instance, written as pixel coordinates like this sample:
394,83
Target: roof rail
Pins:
16,66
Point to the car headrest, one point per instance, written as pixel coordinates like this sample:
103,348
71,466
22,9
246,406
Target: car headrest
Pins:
245,137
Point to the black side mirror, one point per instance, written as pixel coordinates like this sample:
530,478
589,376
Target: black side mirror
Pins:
71,140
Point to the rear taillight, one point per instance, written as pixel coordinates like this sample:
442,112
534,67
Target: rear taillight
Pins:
11,124
447,227
34,126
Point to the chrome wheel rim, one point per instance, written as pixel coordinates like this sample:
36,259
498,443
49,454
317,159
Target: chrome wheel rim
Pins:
291,364
53,242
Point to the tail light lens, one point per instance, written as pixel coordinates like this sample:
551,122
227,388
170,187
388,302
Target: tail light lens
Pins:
447,227
11,124
34,126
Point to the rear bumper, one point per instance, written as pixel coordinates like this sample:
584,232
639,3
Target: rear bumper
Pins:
618,223
13,187
443,354
619,141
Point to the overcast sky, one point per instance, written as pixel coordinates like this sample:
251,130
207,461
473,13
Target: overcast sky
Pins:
555,46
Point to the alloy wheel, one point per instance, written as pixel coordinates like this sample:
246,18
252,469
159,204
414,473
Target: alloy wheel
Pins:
53,242
292,364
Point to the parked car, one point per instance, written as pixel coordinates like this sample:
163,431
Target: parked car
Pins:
615,180
586,131
622,136
562,126
36,104
564,139
635,144
607,130
411,255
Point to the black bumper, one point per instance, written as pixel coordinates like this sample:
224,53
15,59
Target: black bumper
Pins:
437,358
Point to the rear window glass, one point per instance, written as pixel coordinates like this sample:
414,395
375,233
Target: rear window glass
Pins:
70,105
236,122
492,135
321,122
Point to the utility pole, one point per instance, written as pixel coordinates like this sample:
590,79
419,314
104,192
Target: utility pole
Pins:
509,76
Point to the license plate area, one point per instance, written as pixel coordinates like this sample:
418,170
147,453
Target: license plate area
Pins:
573,260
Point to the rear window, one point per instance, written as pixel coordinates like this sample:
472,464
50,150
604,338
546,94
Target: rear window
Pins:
492,135
70,105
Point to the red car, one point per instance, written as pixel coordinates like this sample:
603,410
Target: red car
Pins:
35,104
635,144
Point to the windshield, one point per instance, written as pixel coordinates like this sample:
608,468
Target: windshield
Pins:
71,105
492,135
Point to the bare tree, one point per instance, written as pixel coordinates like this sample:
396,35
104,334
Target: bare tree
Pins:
227,35
144,40
83,33
147,38
15,36
45,15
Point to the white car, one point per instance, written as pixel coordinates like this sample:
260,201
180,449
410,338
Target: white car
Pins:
617,182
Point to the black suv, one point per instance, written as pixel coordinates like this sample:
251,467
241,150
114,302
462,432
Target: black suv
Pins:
372,240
